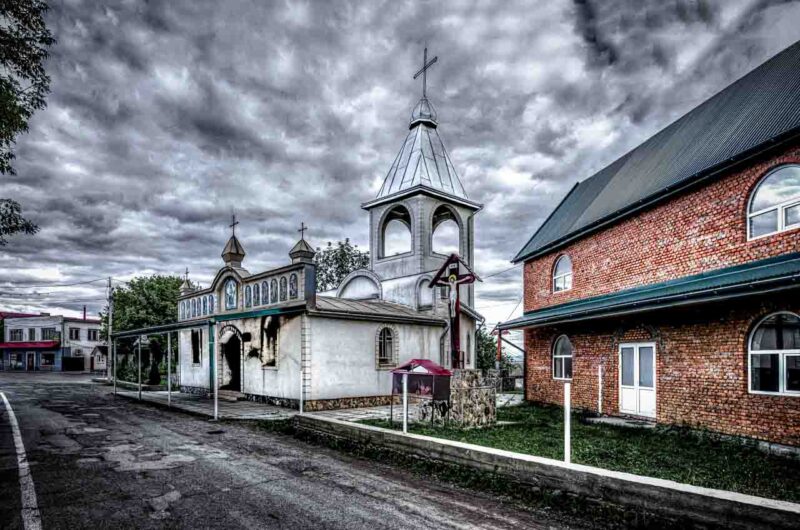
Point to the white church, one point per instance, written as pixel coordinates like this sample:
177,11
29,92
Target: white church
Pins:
271,337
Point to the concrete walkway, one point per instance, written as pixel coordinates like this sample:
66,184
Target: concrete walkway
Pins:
203,406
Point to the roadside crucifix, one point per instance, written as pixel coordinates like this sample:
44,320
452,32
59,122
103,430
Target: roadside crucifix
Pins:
453,273
424,71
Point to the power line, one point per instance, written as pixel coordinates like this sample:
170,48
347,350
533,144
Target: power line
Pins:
501,272
28,286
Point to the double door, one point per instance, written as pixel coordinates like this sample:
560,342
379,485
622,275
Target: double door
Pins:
637,379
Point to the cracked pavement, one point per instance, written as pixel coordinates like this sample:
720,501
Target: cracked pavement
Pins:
104,462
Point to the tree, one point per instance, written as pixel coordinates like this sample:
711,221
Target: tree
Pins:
11,222
24,40
336,262
485,349
145,302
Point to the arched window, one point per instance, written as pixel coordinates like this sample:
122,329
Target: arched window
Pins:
562,358
256,295
562,274
446,235
194,308
265,292
424,295
293,286
283,288
248,296
385,348
205,305
182,311
211,304
774,352
775,204
273,292
231,294
396,232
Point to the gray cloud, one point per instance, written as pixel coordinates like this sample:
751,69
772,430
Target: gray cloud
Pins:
164,116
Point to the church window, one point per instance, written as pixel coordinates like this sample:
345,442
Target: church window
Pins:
283,288
386,348
205,305
248,296
775,204
562,358
264,292
270,330
211,304
230,294
273,291
182,310
293,286
197,345
446,235
562,274
396,232
256,295
424,295
774,352
194,308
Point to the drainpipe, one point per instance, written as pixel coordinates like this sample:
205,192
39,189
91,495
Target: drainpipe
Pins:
442,347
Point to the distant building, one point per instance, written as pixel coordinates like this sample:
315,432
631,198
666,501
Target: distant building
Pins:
48,343
666,285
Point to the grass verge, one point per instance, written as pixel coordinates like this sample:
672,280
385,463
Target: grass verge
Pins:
690,457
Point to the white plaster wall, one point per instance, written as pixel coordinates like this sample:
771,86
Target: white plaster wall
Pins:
283,380
196,375
343,357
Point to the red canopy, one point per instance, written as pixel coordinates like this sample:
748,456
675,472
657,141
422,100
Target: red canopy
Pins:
38,345
421,366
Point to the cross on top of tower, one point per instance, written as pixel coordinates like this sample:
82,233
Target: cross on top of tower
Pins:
424,71
302,230
233,224
187,273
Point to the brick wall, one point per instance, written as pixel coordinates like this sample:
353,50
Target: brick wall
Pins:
701,368
699,231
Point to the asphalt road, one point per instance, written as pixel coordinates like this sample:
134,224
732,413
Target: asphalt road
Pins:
104,462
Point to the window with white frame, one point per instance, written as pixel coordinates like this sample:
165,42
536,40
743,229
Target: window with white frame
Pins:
562,274
74,333
562,358
31,334
775,204
256,295
248,296
15,335
93,334
50,334
211,306
385,353
774,352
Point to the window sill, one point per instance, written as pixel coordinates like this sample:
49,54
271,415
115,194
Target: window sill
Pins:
776,394
565,379
777,232
270,368
385,367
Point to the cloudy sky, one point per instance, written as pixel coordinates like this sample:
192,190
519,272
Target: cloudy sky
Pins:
165,116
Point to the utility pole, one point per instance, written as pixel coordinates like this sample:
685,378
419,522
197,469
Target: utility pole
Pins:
109,341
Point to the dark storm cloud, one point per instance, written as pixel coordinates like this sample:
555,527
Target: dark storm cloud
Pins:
165,116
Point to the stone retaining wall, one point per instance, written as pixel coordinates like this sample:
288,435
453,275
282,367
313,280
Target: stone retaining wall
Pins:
661,502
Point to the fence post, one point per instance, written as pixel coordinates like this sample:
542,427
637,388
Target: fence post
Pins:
169,368
567,425
600,389
405,403
139,366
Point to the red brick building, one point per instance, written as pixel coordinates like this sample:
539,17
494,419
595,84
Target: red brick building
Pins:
667,285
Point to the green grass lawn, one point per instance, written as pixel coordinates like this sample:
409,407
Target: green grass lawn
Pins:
674,454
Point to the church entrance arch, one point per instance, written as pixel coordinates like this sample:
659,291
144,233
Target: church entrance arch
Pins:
230,339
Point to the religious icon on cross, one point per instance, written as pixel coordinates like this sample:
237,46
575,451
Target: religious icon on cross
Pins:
424,71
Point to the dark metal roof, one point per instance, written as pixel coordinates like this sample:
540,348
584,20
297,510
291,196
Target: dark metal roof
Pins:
758,277
372,310
754,113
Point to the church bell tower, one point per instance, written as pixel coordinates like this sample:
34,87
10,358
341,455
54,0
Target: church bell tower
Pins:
422,213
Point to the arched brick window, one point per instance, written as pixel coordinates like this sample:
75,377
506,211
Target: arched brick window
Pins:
562,274
775,203
562,358
774,354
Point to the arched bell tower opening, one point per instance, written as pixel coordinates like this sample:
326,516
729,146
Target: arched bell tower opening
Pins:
396,232
446,232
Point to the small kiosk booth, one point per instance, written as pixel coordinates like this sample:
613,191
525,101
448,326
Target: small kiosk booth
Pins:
424,380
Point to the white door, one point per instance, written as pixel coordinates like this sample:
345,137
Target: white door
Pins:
637,379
